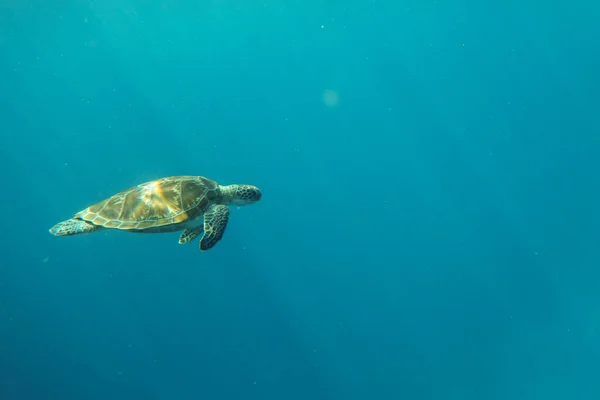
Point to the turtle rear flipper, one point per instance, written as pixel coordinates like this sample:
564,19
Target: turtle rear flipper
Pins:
72,227
215,222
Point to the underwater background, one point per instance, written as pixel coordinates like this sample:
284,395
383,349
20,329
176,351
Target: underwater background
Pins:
429,223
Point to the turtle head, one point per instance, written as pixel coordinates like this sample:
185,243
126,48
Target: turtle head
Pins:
240,195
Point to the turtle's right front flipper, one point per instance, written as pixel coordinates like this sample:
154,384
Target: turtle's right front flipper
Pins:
190,234
72,227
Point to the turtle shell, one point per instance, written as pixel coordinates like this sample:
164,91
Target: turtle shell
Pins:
166,201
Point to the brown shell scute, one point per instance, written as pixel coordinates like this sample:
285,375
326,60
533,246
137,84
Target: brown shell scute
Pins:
152,204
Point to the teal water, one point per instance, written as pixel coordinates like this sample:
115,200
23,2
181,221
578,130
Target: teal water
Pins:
428,227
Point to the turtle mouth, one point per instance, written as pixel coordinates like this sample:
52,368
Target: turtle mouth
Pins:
250,194
255,196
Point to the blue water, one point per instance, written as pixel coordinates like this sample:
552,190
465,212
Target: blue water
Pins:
429,224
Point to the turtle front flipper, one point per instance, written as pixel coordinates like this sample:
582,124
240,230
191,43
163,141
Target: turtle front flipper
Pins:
72,227
190,234
215,222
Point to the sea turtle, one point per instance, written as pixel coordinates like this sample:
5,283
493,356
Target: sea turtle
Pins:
194,204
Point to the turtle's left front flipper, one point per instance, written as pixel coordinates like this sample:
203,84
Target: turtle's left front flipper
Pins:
215,222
